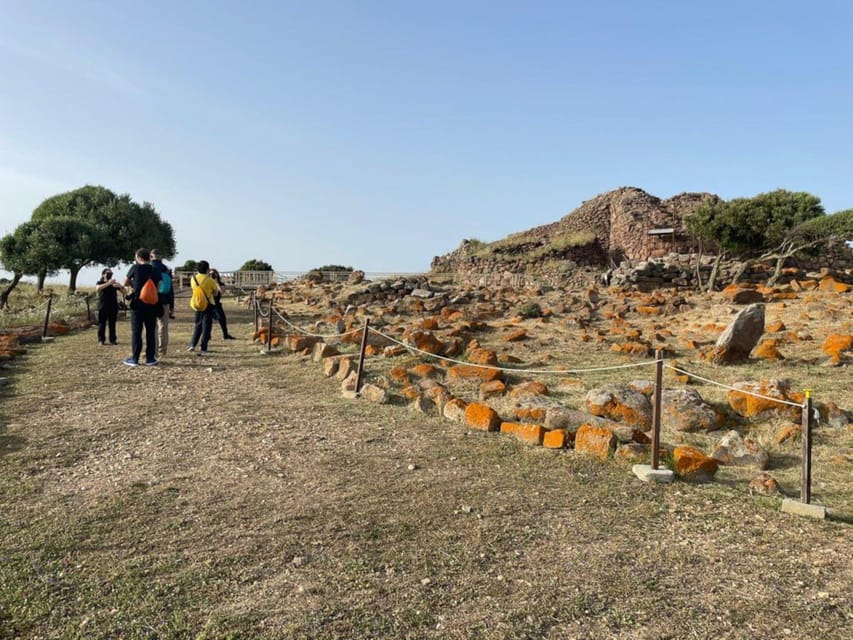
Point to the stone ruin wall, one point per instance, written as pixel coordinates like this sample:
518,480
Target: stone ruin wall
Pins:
679,271
621,221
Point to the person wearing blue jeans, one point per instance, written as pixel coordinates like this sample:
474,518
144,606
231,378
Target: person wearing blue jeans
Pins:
142,315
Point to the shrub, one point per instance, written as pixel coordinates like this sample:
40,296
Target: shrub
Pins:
256,265
529,310
333,268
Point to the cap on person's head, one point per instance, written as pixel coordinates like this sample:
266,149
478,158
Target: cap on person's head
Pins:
155,253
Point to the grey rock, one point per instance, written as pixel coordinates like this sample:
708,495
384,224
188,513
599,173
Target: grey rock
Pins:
741,336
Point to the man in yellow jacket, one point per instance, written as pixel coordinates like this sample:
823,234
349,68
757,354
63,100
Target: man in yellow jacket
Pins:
203,316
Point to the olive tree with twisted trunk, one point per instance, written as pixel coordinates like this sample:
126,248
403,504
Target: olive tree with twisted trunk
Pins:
749,228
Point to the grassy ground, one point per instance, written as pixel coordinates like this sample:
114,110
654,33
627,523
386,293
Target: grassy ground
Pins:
237,496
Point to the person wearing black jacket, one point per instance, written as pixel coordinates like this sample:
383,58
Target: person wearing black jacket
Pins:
142,314
167,301
107,289
218,311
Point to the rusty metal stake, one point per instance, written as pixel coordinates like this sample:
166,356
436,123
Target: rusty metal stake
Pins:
360,373
806,487
47,316
656,413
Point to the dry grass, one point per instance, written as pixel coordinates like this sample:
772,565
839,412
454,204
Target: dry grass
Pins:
239,497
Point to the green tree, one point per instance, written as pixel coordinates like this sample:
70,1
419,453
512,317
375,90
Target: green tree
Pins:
256,265
16,256
95,226
190,266
333,268
746,228
811,236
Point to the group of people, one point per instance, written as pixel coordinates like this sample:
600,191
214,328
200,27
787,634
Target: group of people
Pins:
151,317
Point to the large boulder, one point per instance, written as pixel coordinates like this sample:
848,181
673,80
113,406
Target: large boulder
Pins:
740,337
733,449
685,410
620,403
761,399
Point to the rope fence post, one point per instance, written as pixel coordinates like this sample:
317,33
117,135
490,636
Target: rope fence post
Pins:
47,316
269,327
254,310
360,373
656,413
806,488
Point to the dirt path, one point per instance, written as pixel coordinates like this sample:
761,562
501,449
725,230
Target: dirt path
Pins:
238,496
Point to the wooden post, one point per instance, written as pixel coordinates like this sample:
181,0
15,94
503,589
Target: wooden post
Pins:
806,487
656,409
88,309
269,326
360,373
47,316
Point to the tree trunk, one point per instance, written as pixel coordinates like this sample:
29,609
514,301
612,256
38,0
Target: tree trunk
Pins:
4,295
741,270
699,270
42,276
777,272
712,279
72,282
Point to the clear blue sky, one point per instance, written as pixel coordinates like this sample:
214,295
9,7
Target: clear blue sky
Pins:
379,134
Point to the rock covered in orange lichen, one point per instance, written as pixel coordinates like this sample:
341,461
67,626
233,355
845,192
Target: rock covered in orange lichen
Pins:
482,416
470,372
753,398
691,464
597,441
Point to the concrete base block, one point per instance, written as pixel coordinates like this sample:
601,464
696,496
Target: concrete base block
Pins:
645,473
802,509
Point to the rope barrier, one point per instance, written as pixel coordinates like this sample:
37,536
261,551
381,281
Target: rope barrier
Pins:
730,388
632,365
318,335
260,310
510,370
305,331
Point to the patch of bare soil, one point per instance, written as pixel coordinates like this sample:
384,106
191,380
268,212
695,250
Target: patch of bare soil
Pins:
238,496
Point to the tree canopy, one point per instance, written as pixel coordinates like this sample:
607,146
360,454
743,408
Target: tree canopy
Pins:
256,265
748,227
90,225
334,268
189,265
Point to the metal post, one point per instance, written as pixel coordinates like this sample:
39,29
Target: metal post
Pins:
269,327
656,410
47,316
361,355
806,488
255,310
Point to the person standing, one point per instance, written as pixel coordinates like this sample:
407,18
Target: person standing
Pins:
203,317
167,301
107,289
218,311
142,314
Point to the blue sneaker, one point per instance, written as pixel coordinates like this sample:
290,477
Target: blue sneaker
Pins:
130,362
151,363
